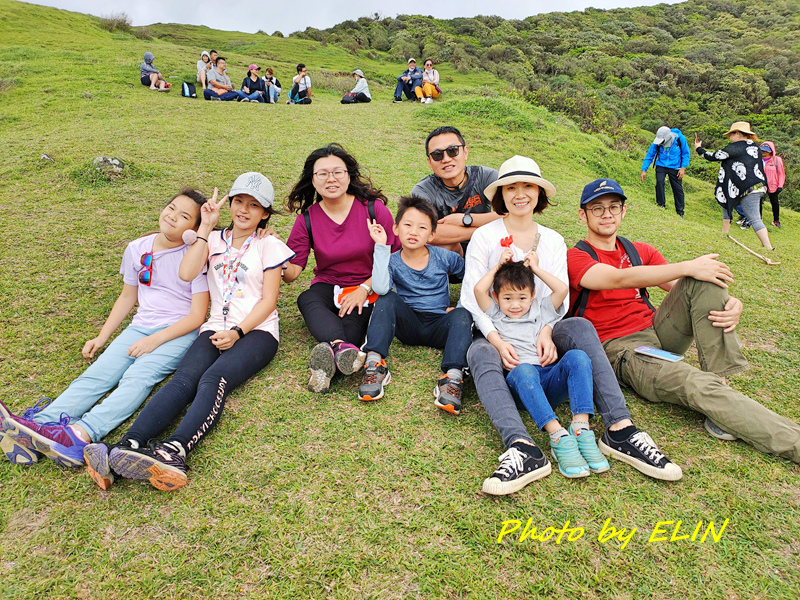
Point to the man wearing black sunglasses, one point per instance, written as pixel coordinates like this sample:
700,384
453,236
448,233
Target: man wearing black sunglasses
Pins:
696,309
454,189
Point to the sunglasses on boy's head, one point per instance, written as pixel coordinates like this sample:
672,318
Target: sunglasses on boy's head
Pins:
146,274
452,152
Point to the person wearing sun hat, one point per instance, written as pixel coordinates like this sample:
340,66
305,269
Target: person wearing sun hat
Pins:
360,93
519,193
741,178
671,154
609,289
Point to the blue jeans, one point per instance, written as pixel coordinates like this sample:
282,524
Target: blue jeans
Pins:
568,334
541,389
134,378
227,96
272,93
392,316
407,87
254,97
202,382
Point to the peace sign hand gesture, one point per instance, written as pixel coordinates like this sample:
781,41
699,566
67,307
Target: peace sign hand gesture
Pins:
209,212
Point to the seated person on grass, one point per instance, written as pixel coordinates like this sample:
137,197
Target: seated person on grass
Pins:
541,384
204,65
301,87
454,189
418,311
697,308
219,84
408,81
152,76
272,85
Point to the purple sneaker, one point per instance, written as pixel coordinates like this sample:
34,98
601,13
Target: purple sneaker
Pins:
348,357
15,446
55,440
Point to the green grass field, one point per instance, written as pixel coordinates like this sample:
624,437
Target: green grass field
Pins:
302,496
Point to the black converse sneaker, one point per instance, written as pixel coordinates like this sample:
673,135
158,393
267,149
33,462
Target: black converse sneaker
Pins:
161,464
519,465
641,452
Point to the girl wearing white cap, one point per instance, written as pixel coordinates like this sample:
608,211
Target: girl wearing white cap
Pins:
239,339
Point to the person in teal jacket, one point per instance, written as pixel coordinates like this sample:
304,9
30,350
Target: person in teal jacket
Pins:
671,154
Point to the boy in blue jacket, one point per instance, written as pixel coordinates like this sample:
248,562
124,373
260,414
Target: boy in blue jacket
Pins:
418,311
671,153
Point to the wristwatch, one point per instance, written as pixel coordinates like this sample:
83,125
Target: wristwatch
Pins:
466,220
238,330
366,287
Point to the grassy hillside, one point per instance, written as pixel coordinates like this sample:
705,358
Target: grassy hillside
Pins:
301,496
697,65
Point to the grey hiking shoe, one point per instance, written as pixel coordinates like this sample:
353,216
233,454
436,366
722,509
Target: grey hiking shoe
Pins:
716,431
375,378
447,394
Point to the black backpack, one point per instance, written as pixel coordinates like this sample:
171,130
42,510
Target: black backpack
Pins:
579,307
188,90
307,218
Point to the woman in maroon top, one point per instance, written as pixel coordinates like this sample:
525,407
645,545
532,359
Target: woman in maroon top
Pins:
335,203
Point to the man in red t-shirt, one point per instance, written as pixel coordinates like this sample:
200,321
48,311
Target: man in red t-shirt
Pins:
697,308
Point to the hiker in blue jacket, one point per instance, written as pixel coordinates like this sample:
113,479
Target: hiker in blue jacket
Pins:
671,153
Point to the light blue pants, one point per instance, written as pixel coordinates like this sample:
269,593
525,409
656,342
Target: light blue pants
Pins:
273,93
134,378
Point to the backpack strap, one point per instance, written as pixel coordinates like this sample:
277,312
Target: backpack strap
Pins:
636,261
307,218
371,209
579,307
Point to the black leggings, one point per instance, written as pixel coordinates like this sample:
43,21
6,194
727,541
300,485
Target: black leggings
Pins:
323,320
202,381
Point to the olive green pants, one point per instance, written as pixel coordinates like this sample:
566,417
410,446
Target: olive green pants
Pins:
681,319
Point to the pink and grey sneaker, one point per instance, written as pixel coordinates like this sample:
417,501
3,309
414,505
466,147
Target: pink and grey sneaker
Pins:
348,357
55,440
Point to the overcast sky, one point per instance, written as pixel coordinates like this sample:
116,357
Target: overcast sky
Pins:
293,15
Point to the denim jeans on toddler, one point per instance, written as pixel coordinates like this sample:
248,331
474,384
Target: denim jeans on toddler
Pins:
540,389
134,378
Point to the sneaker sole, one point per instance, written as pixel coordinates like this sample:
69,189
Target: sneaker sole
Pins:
509,487
673,474
349,360
445,407
322,367
133,465
726,437
368,398
96,457
16,452
569,475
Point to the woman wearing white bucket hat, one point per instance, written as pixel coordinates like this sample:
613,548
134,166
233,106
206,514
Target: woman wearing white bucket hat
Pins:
519,193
